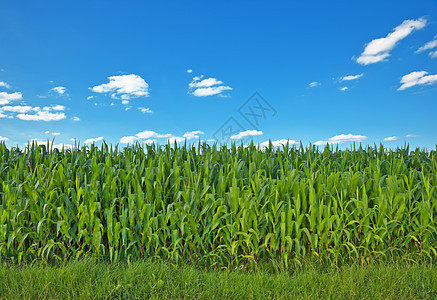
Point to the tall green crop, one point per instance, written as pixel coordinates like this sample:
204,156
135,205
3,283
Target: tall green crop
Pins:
223,206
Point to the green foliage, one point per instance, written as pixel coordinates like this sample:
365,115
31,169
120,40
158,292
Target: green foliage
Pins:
218,206
90,279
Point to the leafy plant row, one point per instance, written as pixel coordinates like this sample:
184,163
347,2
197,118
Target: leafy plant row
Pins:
217,205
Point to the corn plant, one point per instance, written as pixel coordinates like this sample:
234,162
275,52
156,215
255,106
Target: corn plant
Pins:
217,205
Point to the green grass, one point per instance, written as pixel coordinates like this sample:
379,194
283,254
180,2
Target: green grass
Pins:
88,279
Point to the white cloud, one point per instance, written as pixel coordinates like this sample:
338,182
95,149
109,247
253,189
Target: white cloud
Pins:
390,138
417,78
59,89
3,116
76,119
89,97
345,88
246,133
93,140
6,98
411,136
145,110
55,107
149,141
379,49
42,116
124,87
193,134
351,77
17,108
200,87
30,113
189,71
314,84
4,84
279,143
56,133
47,132
176,139
428,46
342,138
149,136
56,146
3,139
128,139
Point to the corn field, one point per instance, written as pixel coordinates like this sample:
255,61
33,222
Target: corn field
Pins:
217,205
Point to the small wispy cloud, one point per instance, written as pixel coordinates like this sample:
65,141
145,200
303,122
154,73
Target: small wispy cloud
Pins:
145,110
379,49
344,88
411,136
4,84
391,138
90,97
59,90
76,119
314,84
93,140
3,139
124,87
351,77
246,133
151,136
417,78
342,138
203,87
429,46
190,71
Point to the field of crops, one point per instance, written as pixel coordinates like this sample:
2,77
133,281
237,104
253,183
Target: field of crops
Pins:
218,206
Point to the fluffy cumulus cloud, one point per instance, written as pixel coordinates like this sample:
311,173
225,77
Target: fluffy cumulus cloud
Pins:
124,87
391,139
351,77
59,90
4,84
246,133
202,87
431,45
279,143
93,140
30,113
314,84
342,138
379,49
6,98
417,78
149,137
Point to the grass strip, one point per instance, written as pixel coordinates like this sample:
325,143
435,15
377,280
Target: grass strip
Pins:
88,279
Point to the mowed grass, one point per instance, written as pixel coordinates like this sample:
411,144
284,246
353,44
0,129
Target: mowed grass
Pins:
88,279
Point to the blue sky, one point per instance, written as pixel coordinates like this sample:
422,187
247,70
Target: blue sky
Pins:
324,71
